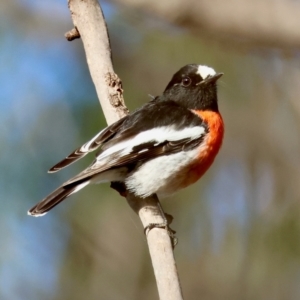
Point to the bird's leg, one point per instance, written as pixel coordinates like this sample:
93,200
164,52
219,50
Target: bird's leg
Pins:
167,220
119,187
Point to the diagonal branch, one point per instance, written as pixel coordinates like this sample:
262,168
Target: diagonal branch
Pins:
90,24
264,23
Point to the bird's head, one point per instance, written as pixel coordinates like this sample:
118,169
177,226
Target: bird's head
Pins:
194,86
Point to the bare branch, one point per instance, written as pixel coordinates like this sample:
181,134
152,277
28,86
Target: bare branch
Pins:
163,261
89,21
250,23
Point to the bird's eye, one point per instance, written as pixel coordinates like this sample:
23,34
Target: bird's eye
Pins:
186,81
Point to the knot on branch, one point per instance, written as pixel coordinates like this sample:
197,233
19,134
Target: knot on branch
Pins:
116,96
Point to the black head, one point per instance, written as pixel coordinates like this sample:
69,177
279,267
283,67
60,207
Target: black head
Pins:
194,86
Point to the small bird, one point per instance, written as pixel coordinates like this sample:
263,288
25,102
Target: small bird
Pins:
162,147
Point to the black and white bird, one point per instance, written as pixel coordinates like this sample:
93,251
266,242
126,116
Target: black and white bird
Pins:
164,146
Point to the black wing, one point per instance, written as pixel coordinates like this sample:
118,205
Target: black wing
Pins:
151,116
139,155
88,147
154,114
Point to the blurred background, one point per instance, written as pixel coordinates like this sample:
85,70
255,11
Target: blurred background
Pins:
238,228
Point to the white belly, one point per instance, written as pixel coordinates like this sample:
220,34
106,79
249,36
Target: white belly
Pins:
158,175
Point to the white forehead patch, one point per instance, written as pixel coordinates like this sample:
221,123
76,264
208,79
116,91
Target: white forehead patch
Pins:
205,71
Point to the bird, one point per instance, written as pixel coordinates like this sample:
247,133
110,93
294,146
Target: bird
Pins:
165,145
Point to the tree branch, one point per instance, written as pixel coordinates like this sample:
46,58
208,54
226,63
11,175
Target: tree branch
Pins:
89,21
264,23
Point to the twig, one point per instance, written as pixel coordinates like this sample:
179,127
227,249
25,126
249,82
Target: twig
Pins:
89,21
72,34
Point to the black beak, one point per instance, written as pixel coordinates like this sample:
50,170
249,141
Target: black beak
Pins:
211,79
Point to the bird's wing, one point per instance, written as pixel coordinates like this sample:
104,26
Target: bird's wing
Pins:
144,136
96,142
142,147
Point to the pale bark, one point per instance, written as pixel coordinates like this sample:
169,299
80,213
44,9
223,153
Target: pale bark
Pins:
89,22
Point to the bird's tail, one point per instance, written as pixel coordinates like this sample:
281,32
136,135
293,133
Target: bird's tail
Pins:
55,198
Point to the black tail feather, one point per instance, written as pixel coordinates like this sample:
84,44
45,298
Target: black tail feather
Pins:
51,201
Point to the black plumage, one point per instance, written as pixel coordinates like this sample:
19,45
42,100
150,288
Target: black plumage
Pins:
186,92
